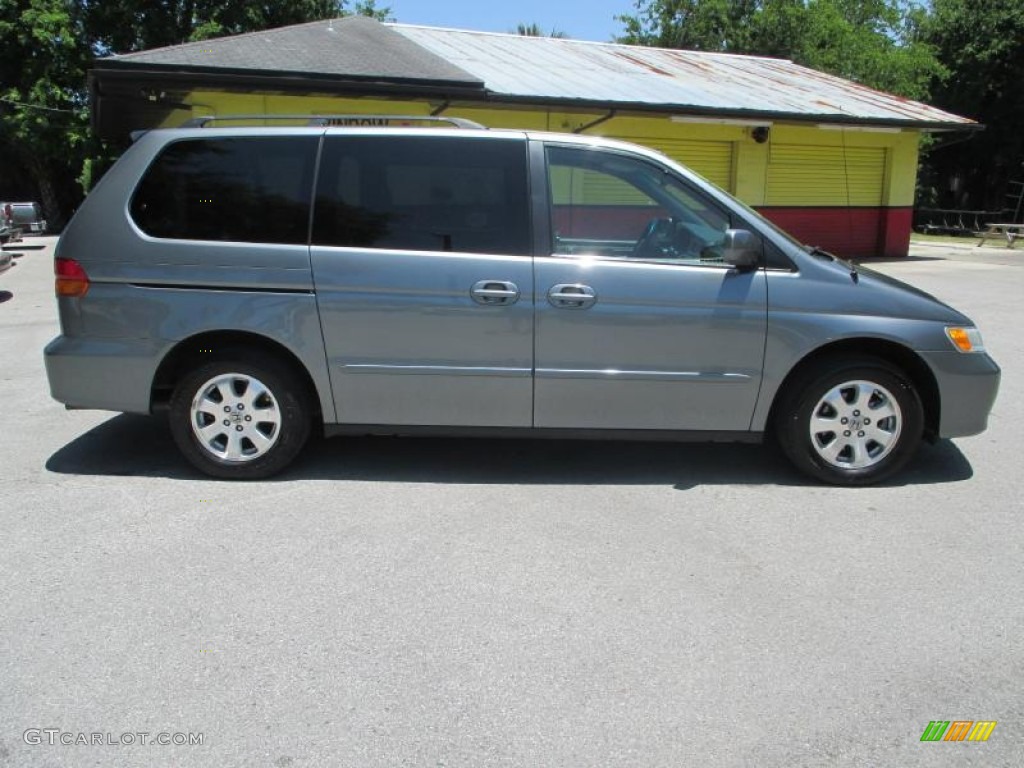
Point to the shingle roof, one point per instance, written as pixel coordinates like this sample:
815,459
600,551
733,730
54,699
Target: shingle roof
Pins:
352,47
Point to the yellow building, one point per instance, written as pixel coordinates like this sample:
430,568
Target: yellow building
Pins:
831,161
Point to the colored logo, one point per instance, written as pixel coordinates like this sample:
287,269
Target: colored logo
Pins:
958,730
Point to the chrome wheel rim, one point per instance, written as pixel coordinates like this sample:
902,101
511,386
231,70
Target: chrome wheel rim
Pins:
855,425
235,417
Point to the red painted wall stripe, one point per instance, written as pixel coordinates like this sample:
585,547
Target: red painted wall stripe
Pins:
604,222
848,232
896,228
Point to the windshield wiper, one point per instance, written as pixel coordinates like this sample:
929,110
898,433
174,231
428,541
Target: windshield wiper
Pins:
815,250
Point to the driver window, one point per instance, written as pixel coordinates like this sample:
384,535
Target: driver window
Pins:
614,206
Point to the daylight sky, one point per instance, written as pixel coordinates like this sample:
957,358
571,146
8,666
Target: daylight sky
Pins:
580,19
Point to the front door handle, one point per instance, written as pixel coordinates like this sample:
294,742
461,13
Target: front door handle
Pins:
494,293
572,296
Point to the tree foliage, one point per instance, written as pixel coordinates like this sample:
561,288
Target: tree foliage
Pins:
122,26
982,44
534,30
43,112
874,42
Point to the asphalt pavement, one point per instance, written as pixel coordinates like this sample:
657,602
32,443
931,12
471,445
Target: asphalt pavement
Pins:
426,602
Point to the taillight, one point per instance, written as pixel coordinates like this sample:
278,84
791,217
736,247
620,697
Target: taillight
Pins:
71,278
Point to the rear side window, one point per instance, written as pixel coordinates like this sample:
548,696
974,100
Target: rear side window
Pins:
424,194
232,189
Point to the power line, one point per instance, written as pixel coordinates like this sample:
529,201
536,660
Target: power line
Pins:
36,106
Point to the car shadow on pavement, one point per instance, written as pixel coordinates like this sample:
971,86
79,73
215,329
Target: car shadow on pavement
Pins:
128,445
21,245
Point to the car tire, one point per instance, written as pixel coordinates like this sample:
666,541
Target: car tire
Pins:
850,421
243,416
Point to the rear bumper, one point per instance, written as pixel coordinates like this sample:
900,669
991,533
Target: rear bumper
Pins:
108,374
968,385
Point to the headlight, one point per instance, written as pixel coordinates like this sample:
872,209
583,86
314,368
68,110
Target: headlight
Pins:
966,339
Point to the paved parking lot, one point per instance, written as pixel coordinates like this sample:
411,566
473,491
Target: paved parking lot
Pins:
505,603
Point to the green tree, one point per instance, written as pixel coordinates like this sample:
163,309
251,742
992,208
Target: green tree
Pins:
875,42
534,30
696,25
982,44
44,123
123,26
369,8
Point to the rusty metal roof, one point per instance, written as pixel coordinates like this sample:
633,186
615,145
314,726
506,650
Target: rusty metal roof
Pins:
531,69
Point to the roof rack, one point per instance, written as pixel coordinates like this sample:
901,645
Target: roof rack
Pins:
337,120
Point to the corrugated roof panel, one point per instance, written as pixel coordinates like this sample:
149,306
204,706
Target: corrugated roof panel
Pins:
551,68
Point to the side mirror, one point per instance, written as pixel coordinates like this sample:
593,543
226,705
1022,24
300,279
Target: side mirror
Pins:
741,248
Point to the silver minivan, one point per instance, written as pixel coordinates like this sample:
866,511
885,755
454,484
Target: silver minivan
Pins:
265,284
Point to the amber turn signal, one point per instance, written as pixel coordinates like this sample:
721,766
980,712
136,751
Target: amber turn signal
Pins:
966,339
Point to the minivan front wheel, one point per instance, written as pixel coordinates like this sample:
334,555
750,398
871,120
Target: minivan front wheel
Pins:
851,422
240,419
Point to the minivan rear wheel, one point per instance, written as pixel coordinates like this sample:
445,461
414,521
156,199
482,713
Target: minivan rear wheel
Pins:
238,417
850,422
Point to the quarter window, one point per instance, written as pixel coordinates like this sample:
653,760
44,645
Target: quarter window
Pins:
231,189
424,194
615,206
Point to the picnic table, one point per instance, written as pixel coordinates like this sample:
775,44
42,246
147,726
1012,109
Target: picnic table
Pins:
1000,231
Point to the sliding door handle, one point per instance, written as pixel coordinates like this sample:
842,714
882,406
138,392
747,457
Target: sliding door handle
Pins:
572,296
494,293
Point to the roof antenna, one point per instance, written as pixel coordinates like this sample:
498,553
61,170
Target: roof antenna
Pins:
849,202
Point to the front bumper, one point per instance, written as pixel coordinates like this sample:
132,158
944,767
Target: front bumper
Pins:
968,385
